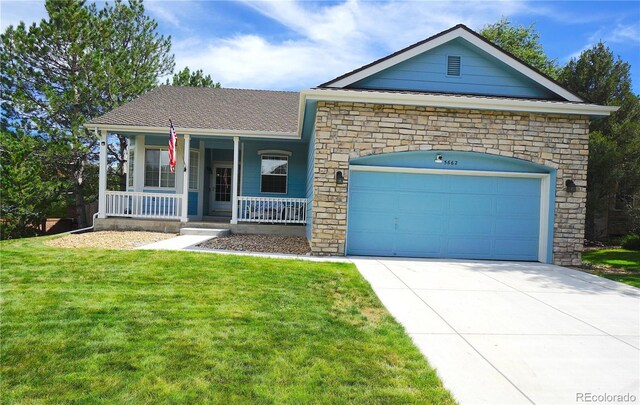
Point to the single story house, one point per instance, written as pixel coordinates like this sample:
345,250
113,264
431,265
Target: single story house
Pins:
449,148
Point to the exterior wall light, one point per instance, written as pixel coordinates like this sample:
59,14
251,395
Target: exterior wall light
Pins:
339,177
570,185
438,158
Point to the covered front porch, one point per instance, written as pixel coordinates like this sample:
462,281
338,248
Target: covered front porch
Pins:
217,179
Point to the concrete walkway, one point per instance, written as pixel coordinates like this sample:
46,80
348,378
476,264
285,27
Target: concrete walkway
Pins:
189,242
515,333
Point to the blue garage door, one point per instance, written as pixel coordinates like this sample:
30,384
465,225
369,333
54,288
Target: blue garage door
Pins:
444,216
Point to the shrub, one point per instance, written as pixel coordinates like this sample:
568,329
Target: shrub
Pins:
631,242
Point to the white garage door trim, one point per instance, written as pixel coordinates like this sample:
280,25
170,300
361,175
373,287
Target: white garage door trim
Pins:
543,241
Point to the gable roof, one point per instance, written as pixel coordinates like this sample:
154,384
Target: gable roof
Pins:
207,109
458,31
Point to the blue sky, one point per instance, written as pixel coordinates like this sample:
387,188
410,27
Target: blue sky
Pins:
292,45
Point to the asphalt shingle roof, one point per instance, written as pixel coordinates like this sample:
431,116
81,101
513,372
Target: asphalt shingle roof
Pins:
206,108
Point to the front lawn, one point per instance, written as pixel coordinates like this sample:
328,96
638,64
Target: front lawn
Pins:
615,264
108,326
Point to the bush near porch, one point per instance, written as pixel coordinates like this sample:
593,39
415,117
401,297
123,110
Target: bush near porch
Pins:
108,326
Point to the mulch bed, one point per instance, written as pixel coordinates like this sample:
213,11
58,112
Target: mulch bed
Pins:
108,239
295,245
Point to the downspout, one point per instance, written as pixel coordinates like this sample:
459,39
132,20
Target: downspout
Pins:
93,224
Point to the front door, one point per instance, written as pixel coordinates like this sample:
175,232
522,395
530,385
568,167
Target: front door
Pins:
220,189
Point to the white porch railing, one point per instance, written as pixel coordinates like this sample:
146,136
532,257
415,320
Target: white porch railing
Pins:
143,205
272,210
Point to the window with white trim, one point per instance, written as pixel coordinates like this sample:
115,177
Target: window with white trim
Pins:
156,169
131,165
194,156
274,171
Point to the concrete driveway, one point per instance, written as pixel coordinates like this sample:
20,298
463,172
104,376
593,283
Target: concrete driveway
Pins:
512,332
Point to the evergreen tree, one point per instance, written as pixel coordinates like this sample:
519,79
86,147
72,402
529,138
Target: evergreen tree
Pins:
29,182
614,142
79,63
192,79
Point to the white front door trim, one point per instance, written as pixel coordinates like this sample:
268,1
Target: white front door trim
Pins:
217,206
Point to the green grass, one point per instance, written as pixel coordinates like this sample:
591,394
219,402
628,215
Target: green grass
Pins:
626,260
106,326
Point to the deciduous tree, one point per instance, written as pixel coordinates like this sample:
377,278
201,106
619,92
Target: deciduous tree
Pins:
521,41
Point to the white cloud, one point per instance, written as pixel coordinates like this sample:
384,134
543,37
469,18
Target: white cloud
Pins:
625,34
12,12
329,39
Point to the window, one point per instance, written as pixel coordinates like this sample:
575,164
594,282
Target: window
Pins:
274,171
131,166
453,66
156,169
194,155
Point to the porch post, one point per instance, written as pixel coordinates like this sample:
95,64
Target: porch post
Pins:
102,179
185,179
234,183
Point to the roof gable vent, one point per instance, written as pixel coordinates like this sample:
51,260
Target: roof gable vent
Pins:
453,66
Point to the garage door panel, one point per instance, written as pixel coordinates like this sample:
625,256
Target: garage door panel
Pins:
516,227
435,215
419,203
471,204
472,225
470,247
521,249
373,222
518,186
518,206
470,184
421,224
372,201
368,182
361,243
417,182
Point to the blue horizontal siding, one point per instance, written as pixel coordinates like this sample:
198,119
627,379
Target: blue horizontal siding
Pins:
297,179
192,209
481,73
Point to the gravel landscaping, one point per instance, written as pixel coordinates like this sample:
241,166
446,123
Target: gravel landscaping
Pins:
108,239
295,245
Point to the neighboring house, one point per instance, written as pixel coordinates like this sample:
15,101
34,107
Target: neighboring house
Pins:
448,148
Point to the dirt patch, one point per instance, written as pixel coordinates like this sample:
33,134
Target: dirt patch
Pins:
295,245
603,269
108,240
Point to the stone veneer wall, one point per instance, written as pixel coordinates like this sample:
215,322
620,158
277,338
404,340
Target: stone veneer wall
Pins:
350,130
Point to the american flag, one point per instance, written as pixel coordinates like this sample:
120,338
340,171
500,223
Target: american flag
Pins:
172,147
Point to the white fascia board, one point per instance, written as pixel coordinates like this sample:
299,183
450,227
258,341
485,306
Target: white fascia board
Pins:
459,102
458,33
195,131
